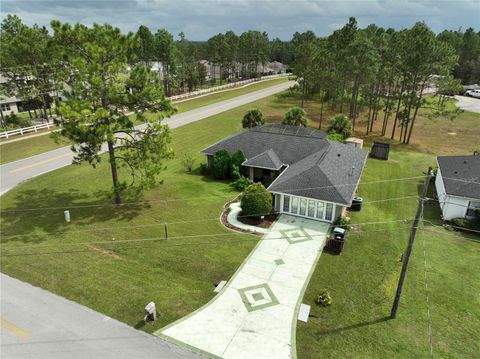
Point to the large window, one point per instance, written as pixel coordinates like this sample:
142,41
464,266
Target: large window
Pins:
286,203
311,208
303,206
5,107
320,209
329,212
294,205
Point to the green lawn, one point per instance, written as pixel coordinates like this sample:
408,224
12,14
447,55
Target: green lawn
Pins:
118,278
362,281
32,146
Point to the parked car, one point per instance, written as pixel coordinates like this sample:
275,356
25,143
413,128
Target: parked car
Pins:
473,93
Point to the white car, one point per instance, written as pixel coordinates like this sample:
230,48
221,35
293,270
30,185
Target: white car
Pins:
473,93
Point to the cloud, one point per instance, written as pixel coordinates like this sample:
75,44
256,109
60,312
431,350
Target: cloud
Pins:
200,19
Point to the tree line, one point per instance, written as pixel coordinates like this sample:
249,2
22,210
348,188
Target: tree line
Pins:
382,71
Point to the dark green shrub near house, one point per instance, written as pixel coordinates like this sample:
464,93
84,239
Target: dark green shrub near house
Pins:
334,136
237,159
256,201
221,164
241,183
342,125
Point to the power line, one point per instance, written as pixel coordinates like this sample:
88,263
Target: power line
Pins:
154,239
173,244
202,197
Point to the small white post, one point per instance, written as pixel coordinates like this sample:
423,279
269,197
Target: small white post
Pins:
67,216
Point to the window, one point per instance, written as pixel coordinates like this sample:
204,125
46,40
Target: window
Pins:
472,209
303,206
286,203
311,208
320,209
5,107
329,212
294,205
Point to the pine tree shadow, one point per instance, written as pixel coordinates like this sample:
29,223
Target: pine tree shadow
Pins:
34,212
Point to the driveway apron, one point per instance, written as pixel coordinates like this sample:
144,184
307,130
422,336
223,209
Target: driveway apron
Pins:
254,316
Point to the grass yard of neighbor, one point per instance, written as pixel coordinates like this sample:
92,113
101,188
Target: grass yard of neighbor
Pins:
13,151
119,278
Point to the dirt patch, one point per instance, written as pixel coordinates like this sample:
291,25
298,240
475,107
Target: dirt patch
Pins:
104,252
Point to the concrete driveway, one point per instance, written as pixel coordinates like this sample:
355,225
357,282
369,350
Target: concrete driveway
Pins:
255,314
38,324
468,103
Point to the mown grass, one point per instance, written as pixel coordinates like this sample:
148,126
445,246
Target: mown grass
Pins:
363,279
35,145
178,274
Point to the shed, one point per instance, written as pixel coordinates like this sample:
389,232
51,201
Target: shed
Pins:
380,150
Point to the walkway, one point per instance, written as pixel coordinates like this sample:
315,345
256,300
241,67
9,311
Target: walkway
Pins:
255,314
38,324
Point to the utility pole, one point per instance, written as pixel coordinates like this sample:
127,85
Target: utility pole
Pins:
413,233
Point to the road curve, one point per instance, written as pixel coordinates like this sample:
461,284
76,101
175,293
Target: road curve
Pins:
38,324
16,172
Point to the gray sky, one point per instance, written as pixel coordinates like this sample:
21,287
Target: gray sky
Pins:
200,19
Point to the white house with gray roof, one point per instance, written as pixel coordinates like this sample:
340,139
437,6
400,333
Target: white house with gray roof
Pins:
458,186
310,176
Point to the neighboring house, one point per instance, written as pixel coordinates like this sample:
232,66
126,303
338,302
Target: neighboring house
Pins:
458,186
310,176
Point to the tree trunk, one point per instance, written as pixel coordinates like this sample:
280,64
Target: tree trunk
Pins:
113,167
419,103
303,91
321,115
341,97
396,114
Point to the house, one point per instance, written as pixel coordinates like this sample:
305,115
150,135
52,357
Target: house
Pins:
308,175
458,186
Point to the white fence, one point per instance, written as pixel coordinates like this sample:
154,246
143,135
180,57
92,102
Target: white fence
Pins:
222,87
25,130
22,131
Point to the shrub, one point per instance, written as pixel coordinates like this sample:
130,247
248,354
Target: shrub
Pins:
253,118
188,161
324,299
295,117
341,125
241,183
221,164
343,222
334,136
256,200
467,223
204,169
237,159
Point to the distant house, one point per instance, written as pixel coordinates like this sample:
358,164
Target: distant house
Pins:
309,175
458,186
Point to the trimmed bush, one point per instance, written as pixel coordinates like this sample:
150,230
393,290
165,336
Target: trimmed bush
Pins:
253,118
241,183
340,124
295,117
334,136
324,299
256,200
188,161
221,164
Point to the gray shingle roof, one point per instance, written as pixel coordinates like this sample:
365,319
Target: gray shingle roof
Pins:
267,159
461,175
318,168
331,174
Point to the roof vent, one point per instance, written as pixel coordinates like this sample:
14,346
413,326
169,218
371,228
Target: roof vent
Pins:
455,172
353,169
338,154
465,161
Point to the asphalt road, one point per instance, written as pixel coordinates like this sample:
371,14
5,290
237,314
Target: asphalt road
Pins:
468,103
14,173
38,324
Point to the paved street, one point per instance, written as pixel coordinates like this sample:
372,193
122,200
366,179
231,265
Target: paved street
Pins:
17,172
468,103
255,314
38,324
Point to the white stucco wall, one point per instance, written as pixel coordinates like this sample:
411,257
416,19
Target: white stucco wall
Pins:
451,206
